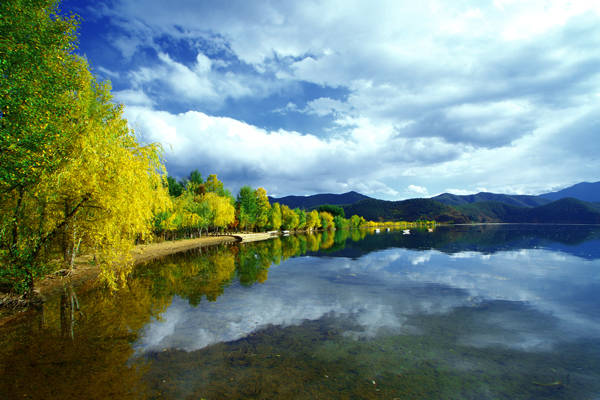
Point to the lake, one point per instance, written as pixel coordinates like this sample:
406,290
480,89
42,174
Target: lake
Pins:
464,312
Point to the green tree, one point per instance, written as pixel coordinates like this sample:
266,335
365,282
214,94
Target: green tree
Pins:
333,210
175,188
246,208
263,209
301,218
196,177
289,219
340,222
356,221
275,216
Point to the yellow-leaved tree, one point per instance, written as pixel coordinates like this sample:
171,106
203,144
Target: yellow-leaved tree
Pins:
223,212
117,183
75,178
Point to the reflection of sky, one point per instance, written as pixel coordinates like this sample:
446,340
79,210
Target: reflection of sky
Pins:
382,290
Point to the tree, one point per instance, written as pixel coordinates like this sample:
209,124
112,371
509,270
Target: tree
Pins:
333,210
340,222
301,218
275,216
175,188
223,212
356,221
196,177
326,220
246,208
75,176
289,219
263,209
38,75
312,220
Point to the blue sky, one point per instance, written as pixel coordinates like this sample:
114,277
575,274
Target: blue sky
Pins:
393,99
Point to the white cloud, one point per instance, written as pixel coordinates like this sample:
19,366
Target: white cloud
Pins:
437,94
287,160
133,98
420,190
544,291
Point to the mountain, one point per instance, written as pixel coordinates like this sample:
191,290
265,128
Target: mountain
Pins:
511,200
315,200
563,211
480,207
585,191
405,210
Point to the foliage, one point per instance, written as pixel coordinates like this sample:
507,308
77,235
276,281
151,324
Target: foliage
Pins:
331,209
289,219
301,219
246,208
222,211
312,220
175,188
263,209
340,223
326,220
75,177
275,216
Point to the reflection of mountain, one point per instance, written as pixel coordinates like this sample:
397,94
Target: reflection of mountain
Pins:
580,241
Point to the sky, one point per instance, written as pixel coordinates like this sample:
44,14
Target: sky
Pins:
392,99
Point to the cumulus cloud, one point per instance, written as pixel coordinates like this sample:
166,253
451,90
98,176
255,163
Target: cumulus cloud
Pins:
420,190
487,96
246,154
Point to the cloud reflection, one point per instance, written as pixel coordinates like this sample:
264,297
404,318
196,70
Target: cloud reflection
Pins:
526,300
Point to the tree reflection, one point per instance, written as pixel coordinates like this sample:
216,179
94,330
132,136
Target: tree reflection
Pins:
70,353
80,345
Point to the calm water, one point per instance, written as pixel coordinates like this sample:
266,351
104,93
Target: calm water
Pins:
485,312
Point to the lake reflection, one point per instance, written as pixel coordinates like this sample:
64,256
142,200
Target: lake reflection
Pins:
483,312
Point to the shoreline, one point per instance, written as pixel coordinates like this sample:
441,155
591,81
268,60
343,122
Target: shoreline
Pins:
11,306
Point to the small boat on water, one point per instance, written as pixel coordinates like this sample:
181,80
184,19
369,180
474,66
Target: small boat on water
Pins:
377,230
429,229
406,231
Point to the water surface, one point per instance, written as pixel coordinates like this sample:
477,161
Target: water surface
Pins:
484,312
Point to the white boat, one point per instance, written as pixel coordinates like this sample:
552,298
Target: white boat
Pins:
377,230
406,231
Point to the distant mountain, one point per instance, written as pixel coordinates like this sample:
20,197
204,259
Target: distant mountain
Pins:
563,211
313,201
585,191
480,207
405,210
511,200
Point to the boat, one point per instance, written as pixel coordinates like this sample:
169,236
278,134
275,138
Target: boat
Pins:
377,230
406,231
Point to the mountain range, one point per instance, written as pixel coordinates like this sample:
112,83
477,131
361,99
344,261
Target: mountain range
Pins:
579,204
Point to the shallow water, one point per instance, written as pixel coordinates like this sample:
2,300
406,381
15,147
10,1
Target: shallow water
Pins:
484,312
